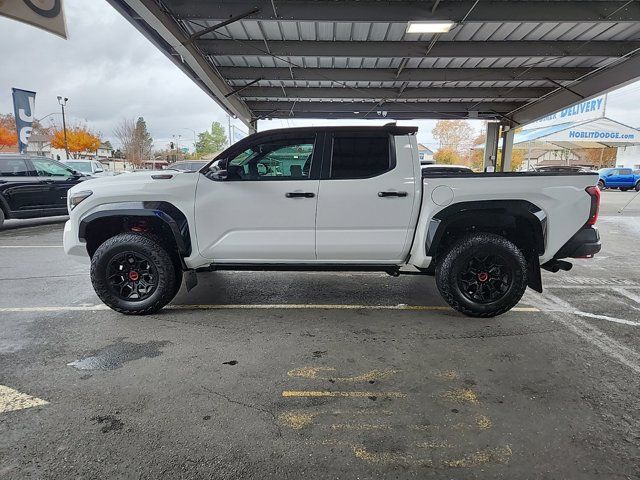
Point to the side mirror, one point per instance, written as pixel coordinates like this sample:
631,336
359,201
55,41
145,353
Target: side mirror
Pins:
218,170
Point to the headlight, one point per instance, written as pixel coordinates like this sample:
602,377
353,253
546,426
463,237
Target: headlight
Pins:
78,197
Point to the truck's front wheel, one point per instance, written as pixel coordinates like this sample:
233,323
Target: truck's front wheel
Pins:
134,274
482,275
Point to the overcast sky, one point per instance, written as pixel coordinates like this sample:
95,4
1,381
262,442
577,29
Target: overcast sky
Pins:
110,71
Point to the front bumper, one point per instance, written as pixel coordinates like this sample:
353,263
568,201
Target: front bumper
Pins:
72,244
584,244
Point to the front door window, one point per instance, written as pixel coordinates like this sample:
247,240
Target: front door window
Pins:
278,160
49,168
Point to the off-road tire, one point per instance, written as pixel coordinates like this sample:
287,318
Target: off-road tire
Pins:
168,279
459,255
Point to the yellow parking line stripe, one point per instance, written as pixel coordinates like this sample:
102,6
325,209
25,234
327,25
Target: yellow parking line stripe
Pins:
360,426
326,393
315,373
11,400
283,306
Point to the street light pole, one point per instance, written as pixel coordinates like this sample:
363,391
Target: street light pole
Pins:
194,140
63,101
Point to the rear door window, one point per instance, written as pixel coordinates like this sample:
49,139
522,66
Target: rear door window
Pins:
624,171
360,156
13,167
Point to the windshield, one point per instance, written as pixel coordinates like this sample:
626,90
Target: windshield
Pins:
84,167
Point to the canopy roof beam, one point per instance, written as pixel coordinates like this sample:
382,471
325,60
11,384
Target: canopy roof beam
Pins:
602,81
406,75
415,10
381,49
392,93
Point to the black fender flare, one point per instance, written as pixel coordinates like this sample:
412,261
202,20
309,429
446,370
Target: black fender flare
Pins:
472,210
164,211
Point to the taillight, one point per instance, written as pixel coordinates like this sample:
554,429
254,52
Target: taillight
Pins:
594,193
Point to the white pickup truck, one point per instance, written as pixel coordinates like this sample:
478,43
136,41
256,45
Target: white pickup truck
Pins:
331,199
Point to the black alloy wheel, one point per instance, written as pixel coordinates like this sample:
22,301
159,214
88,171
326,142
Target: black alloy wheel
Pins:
485,279
482,275
131,276
135,273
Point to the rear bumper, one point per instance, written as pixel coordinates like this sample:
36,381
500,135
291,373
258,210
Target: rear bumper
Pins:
585,243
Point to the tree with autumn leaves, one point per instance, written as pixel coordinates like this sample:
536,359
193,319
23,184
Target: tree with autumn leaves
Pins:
79,139
8,135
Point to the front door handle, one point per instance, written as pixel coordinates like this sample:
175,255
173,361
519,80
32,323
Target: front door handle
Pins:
392,194
299,194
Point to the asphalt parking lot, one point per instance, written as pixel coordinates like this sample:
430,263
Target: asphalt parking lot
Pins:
280,375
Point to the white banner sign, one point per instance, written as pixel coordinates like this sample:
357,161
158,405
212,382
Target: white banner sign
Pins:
600,131
45,14
586,110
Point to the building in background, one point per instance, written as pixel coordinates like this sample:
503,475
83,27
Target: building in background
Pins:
40,145
425,154
628,157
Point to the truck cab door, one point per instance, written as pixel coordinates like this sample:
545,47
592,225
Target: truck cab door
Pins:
20,190
625,178
57,179
369,198
264,211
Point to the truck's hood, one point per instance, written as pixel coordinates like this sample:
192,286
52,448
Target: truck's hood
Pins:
177,188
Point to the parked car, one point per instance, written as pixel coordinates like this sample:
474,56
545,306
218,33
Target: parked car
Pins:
187,166
34,186
622,178
433,168
90,168
346,198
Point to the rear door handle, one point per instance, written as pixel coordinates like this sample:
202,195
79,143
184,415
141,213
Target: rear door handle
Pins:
392,194
299,194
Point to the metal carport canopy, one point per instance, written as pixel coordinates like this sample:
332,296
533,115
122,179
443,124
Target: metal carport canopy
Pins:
513,61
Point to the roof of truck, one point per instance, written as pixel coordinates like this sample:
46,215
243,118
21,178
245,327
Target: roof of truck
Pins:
389,127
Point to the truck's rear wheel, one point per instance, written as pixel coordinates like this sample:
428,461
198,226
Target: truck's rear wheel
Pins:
134,274
482,275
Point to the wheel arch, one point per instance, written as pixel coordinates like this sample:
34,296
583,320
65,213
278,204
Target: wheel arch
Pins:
520,221
158,217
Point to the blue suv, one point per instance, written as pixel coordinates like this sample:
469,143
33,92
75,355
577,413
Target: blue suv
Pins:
622,178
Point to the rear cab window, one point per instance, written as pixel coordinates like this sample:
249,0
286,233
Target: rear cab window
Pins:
360,155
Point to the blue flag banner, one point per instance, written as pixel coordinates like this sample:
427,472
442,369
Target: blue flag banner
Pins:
24,103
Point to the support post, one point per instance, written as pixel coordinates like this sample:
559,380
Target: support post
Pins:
253,126
507,149
491,146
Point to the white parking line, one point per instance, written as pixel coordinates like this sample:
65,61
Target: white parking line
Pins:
12,400
630,295
607,318
30,246
589,332
90,308
551,303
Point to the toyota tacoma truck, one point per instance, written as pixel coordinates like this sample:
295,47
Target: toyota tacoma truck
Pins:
331,199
